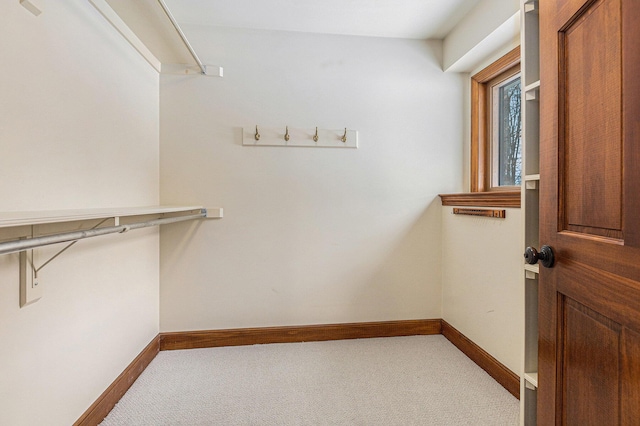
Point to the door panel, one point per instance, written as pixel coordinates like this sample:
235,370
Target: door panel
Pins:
589,303
591,111
589,375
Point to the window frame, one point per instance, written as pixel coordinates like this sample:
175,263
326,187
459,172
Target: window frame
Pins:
480,195
481,145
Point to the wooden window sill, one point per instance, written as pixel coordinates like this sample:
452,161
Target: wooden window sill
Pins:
483,199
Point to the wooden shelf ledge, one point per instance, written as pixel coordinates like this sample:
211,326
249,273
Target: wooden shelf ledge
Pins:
483,199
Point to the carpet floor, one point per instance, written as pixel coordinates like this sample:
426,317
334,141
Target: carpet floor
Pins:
415,380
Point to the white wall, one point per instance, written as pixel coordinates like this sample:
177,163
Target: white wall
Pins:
309,235
482,281
489,27
482,276
78,129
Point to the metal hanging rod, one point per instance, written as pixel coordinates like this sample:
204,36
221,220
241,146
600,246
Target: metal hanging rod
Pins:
31,243
203,69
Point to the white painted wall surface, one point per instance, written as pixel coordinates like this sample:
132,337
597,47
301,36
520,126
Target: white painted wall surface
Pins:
481,298
482,281
488,28
309,235
78,129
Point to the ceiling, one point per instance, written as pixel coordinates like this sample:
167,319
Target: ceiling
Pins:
413,19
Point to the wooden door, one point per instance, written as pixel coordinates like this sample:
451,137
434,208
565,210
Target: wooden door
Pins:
589,302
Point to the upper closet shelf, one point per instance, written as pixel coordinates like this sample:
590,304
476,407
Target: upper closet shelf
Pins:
12,219
151,29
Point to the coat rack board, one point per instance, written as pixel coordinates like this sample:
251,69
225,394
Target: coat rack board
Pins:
294,137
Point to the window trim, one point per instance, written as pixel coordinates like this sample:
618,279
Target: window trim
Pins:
480,196
480,172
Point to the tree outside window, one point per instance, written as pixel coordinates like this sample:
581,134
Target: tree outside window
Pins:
507,133
496,126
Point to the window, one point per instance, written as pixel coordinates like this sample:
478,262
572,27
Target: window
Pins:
496,158
496,155
505,129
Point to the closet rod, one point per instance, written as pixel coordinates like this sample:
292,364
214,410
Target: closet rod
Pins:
182,36
31,243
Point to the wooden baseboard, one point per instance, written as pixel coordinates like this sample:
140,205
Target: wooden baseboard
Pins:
307,333
103,405
501,374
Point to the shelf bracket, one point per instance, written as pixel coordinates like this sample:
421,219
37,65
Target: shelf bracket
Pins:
36,270
30,288
186,69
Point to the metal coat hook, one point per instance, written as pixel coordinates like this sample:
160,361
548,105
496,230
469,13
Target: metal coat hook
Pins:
344,137
286,135
257,135
315,137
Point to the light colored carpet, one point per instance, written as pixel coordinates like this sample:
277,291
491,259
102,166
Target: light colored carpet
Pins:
416,380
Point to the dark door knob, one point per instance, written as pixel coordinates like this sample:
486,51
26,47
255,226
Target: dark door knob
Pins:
545,256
